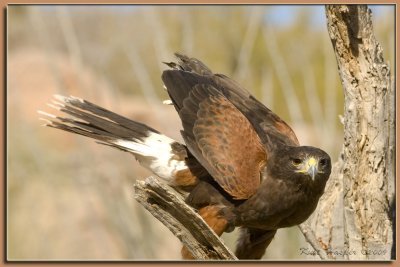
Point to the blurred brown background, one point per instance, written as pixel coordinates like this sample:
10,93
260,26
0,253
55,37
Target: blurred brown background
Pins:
70,198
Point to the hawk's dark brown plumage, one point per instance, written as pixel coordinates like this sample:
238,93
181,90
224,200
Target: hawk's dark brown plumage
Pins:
241,163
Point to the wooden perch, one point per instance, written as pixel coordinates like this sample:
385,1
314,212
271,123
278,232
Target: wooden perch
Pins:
169,207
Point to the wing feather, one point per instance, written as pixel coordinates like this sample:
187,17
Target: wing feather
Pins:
190,72
223,140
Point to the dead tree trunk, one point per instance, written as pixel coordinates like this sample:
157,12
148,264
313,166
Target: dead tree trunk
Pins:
353,219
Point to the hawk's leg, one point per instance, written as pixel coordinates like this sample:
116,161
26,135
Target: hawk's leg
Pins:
212,216
253,242
213,207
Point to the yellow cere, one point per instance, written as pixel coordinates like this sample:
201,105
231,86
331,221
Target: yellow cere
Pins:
312,161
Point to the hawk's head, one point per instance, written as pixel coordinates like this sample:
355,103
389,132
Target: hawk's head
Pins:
300,163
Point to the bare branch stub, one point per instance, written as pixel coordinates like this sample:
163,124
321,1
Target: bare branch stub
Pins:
165,204
314,242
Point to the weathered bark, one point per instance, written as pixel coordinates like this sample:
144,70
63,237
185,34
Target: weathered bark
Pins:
353,218
168,206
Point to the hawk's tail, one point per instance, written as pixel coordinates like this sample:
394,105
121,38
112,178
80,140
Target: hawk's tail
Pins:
160,154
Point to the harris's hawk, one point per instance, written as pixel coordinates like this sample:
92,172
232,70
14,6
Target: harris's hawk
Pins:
241,164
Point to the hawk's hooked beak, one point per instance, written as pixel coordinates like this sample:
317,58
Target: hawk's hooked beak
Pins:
309,166
312,167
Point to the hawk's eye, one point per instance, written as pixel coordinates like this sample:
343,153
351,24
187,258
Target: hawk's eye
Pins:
323,162
296,162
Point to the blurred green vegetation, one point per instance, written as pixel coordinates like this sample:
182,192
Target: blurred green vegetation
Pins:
69,198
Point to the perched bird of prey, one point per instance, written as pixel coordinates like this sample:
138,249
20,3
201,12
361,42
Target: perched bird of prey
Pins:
241,164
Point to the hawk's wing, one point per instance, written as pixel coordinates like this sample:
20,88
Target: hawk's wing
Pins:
223,141
188,72
228,131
